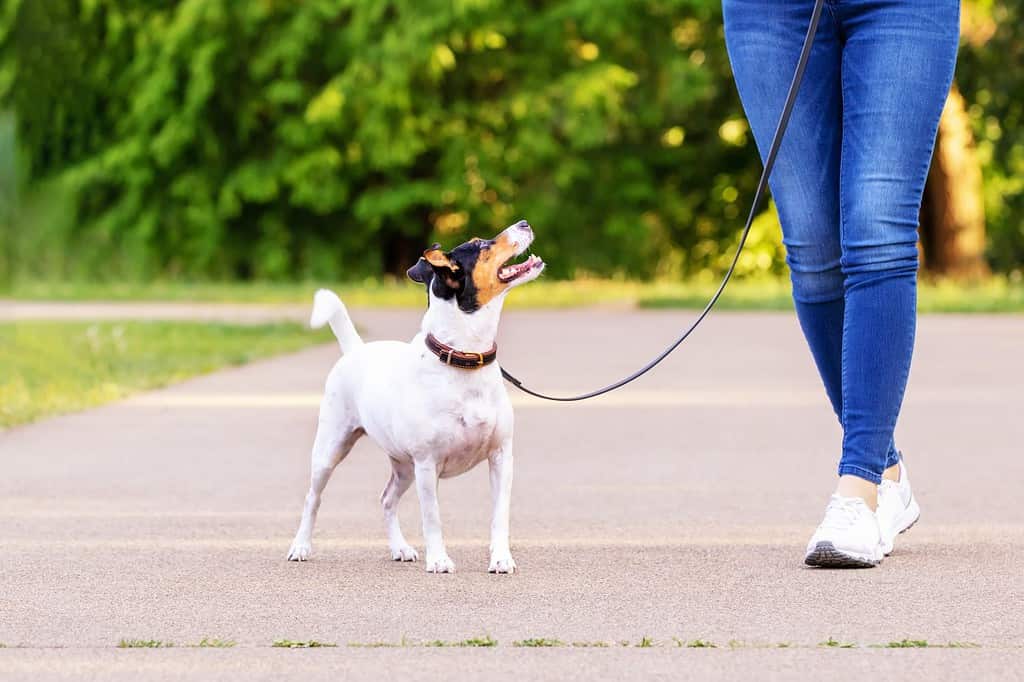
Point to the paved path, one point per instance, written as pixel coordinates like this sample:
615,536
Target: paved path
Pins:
677,508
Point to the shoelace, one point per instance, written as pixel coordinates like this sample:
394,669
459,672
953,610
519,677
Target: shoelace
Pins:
842,513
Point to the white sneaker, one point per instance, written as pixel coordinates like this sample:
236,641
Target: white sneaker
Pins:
848,537
897,508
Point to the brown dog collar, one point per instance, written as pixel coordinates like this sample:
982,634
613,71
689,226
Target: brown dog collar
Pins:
458,358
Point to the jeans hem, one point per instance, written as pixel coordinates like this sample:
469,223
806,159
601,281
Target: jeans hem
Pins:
860,472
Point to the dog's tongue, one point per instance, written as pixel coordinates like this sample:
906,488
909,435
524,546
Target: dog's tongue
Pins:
512,271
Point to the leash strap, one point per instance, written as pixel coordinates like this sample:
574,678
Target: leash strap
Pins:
762,186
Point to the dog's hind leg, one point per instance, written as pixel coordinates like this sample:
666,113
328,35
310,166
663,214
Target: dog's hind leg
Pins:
402,476
334,439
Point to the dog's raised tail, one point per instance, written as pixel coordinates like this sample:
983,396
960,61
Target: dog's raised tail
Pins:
328,309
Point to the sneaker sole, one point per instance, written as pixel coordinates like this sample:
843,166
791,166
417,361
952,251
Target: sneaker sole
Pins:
826,555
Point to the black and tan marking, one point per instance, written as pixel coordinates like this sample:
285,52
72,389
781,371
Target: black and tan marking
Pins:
473,273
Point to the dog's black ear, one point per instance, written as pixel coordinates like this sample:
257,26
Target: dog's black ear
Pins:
421,272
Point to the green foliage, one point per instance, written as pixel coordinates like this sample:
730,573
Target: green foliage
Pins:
215,643
908,644
538,642
143,644
833,643
334,138
699,644
485,641
992,82
301,644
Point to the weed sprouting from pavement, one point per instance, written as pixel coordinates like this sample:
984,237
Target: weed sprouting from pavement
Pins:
308,644
700,644
908,644
836,644
143,644
538,642
485,641
214,643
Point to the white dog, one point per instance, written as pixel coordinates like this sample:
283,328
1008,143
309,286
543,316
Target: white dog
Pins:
436,405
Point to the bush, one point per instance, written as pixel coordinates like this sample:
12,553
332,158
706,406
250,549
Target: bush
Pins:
336,138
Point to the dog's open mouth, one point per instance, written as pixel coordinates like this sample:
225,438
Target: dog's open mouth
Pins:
512,271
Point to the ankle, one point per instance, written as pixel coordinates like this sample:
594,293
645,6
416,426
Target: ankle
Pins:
855,486
892,473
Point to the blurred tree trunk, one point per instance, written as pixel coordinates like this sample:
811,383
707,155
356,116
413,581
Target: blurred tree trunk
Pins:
953,211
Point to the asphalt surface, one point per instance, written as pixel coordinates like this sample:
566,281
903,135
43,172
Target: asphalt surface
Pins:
676,509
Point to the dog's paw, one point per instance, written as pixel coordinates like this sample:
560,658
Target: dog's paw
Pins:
300,551
404,553
502,562
440,563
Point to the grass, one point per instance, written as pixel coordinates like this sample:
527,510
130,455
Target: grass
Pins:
214,643
301,644
485,641
538,642
907,644
56,367
836,644
700,644
204,643
143,644
998,294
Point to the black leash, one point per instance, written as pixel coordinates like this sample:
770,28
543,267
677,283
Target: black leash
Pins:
762,186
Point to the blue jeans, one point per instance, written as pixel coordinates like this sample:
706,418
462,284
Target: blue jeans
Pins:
848,185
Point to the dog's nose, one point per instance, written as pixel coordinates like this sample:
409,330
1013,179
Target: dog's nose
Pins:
523,225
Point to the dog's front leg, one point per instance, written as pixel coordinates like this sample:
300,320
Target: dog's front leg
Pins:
438,560
500,463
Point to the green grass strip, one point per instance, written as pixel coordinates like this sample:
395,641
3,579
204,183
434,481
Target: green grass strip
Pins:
56,367
301,644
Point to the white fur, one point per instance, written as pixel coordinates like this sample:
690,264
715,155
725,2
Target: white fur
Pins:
432,420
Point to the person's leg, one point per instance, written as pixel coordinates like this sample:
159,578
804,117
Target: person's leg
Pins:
764,38
897,66
805,181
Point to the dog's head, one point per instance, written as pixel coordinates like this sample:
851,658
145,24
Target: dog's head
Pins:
481,270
